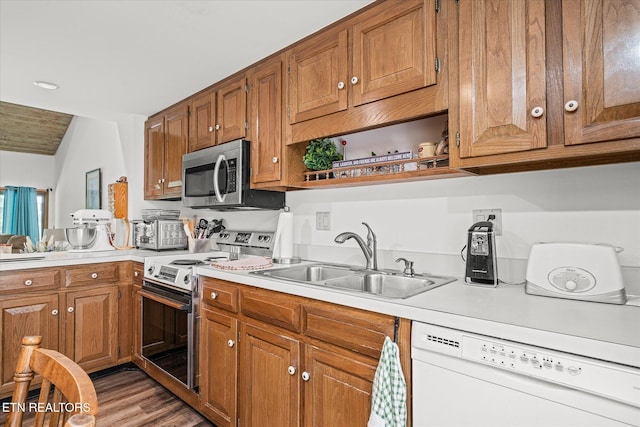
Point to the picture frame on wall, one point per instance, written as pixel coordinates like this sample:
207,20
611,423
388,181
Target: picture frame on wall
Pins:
93,196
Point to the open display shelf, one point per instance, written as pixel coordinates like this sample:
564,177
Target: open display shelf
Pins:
405,170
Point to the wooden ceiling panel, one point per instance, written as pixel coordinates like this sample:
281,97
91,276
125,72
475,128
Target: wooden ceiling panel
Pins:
31,130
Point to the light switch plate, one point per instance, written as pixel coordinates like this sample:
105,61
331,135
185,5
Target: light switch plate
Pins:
483,215
323,221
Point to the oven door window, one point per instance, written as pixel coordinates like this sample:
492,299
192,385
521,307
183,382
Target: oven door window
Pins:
165,335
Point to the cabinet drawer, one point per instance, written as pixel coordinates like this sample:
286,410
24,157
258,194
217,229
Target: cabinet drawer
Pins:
138,273
357,330
92,274
272,307
220,294
30,280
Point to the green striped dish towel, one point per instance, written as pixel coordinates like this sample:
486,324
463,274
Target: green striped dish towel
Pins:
389,397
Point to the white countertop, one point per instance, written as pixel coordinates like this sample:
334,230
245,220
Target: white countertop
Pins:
603,331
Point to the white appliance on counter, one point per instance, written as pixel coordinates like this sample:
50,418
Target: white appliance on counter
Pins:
466,379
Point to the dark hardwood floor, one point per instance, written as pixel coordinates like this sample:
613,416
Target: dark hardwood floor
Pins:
130,398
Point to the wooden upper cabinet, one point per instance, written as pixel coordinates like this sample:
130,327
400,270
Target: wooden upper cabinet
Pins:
389,51
318,75
502,92
394,51
265,121
166,140
601,63
202,121
176,140
232,111
154,157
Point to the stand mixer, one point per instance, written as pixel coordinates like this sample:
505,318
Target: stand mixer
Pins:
98,219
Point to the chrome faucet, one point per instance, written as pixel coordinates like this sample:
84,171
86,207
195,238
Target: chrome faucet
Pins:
369,249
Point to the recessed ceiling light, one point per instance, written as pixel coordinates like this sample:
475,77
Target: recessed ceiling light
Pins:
46,85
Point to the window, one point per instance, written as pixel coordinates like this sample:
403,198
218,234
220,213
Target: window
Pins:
42,199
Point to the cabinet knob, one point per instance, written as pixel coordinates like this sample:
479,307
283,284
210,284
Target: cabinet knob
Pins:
210,128
136,273
28,282
306,376
217,127
54,312
340,85
354,80
274,160
160,181
94,275
214,295
70,309
537,112
291,370
231,343
571,106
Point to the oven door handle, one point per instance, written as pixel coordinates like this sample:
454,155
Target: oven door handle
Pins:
166,301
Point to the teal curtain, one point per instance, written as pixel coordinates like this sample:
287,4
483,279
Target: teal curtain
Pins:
20,213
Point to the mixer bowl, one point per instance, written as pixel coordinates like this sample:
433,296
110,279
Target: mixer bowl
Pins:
81,237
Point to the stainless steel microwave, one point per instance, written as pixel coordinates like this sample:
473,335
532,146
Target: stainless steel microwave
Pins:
219,177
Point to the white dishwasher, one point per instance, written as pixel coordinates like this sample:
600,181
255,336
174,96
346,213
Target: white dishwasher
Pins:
466,379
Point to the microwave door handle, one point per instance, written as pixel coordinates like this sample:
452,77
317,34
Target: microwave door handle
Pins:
216,184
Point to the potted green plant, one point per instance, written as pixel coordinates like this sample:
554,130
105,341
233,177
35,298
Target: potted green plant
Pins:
320,155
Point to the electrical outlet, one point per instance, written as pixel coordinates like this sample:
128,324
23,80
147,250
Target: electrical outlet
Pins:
323,221
483,215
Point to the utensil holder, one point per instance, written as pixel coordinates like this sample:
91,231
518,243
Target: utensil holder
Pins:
200,245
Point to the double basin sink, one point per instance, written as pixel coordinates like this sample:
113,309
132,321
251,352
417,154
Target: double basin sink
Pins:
372,282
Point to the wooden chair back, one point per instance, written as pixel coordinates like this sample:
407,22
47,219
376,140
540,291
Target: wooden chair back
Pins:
73,402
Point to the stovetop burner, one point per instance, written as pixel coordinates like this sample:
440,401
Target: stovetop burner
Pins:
187,262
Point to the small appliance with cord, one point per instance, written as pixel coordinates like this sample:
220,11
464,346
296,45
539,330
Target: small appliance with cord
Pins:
578,271
93,218
482,263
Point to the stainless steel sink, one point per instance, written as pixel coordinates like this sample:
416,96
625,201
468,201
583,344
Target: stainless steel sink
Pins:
308,273
371,282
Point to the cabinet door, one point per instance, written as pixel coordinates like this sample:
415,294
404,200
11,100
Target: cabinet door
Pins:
601,70
91,327
202,120
266,122
232,111
318,73
154,157
394,51
501,82
176,140
219,367
337,391
36,315
269,379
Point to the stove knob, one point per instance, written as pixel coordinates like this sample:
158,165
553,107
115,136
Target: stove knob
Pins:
187,279
267,238
150,269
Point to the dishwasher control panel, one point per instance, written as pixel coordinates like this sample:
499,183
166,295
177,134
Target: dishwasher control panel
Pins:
607,379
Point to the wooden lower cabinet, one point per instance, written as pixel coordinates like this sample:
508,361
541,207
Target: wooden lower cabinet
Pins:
265,360
338,388
91,326
269,392
27,315
219,380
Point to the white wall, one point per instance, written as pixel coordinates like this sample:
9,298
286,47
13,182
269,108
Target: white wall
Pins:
592,204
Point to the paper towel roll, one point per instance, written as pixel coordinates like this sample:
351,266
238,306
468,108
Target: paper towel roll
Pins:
283,243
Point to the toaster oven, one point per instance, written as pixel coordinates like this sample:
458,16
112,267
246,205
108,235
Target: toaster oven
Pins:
159,234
